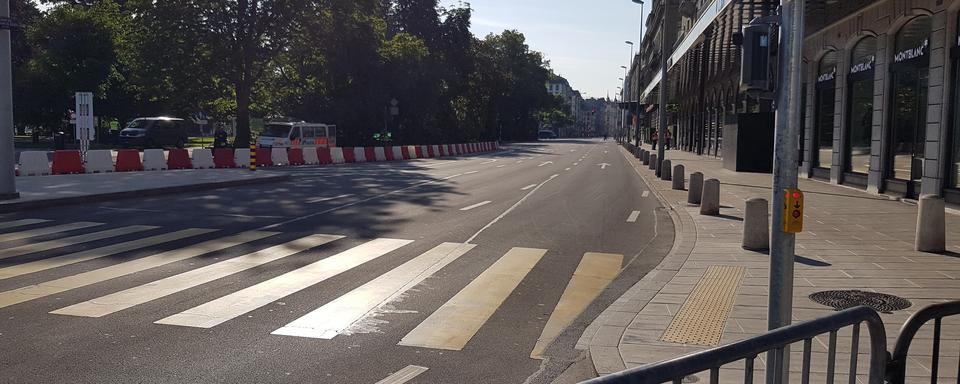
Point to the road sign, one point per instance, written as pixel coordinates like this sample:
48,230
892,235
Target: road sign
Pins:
793,211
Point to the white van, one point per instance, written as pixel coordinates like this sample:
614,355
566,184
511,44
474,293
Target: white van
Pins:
298,135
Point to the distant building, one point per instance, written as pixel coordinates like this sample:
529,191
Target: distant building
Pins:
559,86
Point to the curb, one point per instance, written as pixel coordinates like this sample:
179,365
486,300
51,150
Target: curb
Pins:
606,358
59,202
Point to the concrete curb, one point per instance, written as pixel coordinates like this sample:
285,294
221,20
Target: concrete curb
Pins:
58,202
603,336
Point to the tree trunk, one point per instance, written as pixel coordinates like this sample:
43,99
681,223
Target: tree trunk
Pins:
243,114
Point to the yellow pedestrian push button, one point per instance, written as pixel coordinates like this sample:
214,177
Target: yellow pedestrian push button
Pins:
793,211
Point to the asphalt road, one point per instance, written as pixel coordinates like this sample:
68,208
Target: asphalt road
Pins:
440,310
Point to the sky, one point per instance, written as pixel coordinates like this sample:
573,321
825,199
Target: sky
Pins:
583,40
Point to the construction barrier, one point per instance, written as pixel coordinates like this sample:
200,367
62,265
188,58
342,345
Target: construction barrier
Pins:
35,163
241,157
278,156
324,155
444,150
202,158
411,152
397,153
154,160
179,159
349,155
388,153
310,156
360,155
419,151
224,158
379,154
98,161
369,154
295,156
263,157
434,151
67,162
128,160
337,155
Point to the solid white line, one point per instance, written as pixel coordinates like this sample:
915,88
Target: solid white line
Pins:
633,217
470,173
404,375
477,205
46,231
73,240
338,316
501,166
645,194
322,199
121,300
528,187
228,307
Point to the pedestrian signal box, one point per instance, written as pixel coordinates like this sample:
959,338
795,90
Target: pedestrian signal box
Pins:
793,211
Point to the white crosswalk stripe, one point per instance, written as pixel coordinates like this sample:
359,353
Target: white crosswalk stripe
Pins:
238,303
74,240
151,291
404,375
21,223
46,231
333,318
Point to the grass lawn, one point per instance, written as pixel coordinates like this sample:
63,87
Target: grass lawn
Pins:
200,142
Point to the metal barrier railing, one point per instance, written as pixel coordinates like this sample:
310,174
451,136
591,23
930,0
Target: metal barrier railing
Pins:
897,367
776,340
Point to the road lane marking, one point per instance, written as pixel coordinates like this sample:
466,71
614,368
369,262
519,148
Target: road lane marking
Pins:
595,272
90,254
322,199
567,169
127,298
73,240
575,164
470,173
489,162
404,375
633,217
20,223
477,205
519,161
528,187
456,321
103,274
545,163
645,194
46,231
339,315
238,303
501,166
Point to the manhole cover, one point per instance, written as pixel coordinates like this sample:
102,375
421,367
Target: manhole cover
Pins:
691,379
844,299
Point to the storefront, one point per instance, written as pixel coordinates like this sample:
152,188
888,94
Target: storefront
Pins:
952,180
824,115
859,124
908,94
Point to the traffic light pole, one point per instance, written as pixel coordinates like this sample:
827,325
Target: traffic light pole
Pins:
663,98
782,244
8,187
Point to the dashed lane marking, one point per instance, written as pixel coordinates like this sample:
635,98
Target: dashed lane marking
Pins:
528,187
477,205
633,217
645,194
322,199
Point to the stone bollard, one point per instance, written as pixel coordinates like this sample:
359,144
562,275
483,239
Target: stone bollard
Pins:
678,177
666,173
696,188
653,161
756,225
931,225
710,201
646,157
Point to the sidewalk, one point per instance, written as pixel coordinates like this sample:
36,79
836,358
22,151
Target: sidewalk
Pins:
851,240
46,191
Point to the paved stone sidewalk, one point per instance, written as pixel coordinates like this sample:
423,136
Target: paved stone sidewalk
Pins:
851,240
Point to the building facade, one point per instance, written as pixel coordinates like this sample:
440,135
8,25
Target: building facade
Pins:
559,86
880,107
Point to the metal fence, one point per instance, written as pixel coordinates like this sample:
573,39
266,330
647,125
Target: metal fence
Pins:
897,367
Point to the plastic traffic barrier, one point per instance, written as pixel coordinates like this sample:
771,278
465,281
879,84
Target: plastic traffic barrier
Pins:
431,152
295,156
67,162
179,159
35,163
154,160
223,158
310,156
360,155
263,157
397,153
338,156
202,158
419,151
241,157
369,154
128,160
349,155
324,156
388,153
279,156
379,154
98,161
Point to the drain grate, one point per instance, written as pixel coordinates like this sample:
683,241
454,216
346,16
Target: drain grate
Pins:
843,299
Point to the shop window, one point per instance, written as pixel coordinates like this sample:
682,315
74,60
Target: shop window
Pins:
825,104
953,167
910,72
860,106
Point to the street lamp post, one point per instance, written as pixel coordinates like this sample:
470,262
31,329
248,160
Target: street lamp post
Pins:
664,91
8,187
640,41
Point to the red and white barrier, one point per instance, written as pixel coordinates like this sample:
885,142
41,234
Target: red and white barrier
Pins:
153,160
98,161
202,158
35,163
336,155
411,152
241,157
379,154
398,153
310,156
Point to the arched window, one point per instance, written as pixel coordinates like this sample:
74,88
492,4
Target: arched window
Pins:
826,97
910,79
860,106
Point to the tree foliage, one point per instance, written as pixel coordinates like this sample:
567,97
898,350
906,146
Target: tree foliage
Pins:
335,61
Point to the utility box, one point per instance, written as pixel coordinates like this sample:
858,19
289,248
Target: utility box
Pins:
792,211
755,74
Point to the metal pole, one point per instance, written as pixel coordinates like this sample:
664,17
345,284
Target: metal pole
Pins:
637,133
8,186
782,244
664,90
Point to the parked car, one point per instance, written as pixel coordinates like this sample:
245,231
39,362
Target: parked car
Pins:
154,132
546,134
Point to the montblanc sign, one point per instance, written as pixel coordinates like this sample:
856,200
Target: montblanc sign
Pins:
827,76
912,53
863,66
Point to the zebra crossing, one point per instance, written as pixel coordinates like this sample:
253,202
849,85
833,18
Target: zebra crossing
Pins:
450,326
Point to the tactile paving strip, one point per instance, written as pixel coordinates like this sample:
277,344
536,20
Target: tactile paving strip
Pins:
704,314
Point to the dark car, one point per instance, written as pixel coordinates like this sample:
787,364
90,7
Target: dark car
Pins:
155,132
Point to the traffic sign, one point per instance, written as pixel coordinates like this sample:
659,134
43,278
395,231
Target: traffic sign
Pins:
793,211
